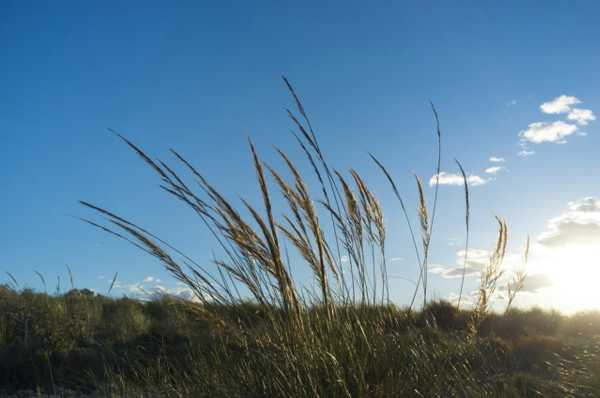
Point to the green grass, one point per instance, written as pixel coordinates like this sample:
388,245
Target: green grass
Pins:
89,343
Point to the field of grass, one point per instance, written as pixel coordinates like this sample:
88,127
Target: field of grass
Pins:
90,344
257,331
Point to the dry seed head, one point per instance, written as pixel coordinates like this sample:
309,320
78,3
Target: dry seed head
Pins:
423,215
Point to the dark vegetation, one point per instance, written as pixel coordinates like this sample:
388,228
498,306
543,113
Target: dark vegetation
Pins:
256,331
90,344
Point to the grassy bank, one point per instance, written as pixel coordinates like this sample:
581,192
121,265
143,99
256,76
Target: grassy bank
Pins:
89,343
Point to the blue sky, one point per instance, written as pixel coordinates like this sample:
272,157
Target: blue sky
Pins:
202,77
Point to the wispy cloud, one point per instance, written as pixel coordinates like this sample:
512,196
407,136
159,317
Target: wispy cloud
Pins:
533,283
467,300
523,153
555,132
561,104
581,116
445,178
179,291
494,169
496,159
135,289
477,260
152,288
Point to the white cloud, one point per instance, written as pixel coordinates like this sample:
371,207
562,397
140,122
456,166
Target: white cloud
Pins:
496,159
512,102
586,205
581,116
456,179
180,291
151,289
476,261
580,224
494,169
560,104
555,132
135,289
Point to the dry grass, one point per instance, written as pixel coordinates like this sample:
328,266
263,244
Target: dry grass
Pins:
253,248
334,340
490,276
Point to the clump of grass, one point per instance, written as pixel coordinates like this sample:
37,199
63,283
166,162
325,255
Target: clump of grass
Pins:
334,341
253,248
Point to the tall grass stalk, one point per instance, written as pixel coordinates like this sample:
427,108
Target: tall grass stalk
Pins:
467,223
490,276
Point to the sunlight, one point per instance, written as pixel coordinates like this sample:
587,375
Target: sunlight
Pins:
575,274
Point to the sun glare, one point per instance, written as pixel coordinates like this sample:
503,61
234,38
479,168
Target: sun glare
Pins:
575,273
